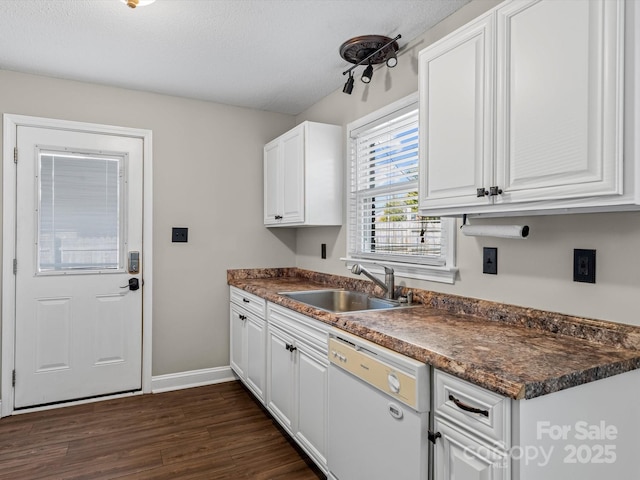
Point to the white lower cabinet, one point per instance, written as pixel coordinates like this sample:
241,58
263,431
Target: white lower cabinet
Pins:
461,456
473,427
281,377
297,379
247,326
256,365
238,344
312,403
587,432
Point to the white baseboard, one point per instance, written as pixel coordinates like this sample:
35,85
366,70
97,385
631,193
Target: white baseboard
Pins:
193,378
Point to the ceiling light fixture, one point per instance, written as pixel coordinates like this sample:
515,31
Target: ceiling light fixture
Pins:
370,50
137,3
348,86
367,74
392,60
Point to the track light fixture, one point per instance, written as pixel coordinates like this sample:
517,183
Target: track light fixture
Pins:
348,87
367,74
370,50
392,60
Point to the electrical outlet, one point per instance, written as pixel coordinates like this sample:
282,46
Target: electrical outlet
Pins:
490,260
584,265
179,234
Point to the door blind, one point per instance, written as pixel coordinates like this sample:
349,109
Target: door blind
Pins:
79,214
384,218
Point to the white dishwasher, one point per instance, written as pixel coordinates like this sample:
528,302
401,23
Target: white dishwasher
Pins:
378,412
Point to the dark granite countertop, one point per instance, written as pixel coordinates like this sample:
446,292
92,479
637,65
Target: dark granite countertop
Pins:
517,352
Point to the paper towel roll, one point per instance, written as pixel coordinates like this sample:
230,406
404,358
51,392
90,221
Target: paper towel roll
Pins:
503,231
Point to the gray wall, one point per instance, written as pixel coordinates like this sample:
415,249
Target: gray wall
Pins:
207,175
537,272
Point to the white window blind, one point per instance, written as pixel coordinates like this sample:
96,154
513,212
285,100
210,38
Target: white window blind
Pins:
383,213
80,212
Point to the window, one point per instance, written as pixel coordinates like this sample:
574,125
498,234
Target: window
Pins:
384,224
79,214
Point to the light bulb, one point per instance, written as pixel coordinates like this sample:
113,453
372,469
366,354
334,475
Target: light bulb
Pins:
137,3
367,74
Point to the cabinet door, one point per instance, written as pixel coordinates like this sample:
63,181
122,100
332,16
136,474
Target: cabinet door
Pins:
272,183
456,117
312,403
280,378
293,175
559,99
458,456
238,343
256,358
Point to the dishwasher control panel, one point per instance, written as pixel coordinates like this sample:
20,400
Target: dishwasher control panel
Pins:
400,377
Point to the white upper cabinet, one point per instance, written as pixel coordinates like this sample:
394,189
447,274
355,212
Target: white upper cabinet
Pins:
522,111
456,117
303,177
559,98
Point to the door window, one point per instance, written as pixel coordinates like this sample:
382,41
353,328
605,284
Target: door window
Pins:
80,216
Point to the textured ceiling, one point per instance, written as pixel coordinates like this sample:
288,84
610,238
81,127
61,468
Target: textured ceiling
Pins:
276,55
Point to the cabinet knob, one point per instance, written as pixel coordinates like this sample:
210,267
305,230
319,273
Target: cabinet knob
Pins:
481,192
278,217
433,436
290,347
494,191
242,317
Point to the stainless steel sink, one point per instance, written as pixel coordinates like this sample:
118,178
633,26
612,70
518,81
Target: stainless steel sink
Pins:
341,301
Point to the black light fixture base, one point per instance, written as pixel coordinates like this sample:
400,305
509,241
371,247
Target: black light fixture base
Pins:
357,49
370,50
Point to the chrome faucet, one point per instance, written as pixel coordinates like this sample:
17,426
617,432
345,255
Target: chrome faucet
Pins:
389,284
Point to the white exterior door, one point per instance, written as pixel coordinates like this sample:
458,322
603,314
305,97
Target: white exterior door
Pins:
78,327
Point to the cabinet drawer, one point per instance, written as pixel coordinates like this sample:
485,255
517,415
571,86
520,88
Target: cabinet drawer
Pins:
252,303
475,409
313,333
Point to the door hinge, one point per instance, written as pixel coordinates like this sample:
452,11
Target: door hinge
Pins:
13,379
15,266
15,154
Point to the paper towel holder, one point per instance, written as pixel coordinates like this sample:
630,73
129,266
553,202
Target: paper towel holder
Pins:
502,231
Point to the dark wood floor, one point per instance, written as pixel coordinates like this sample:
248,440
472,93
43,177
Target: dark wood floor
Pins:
213,432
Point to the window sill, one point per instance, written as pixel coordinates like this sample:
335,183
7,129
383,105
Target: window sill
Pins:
414,271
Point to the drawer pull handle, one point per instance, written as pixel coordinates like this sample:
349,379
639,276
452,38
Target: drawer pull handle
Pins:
246,301
467,408
290,347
